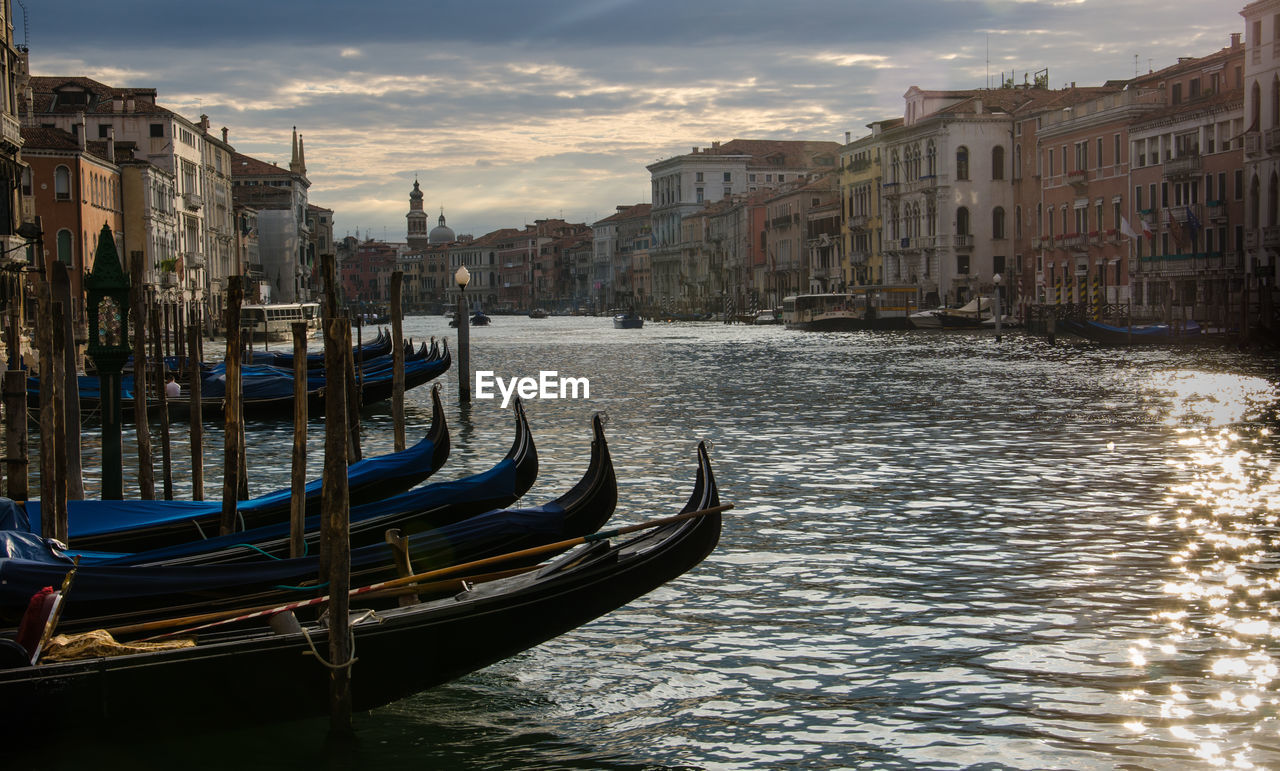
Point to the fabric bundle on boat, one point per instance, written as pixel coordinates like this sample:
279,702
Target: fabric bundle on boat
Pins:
99,644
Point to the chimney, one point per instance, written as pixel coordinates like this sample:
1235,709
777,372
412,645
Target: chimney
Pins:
129,104
1235,39
848,135
117,103
715,145
111,144
204,123
79,128
224,134
977,106
694,150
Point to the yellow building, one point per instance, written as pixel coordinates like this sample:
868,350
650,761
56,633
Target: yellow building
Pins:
862,257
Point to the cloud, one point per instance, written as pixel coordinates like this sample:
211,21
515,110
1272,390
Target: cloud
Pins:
514,109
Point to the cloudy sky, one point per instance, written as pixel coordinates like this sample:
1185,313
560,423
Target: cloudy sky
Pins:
509,111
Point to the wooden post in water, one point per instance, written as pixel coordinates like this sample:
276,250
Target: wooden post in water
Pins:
55,506
298,479
65,338
162,400
397,362
197,407
141,421
233,437
335,548
15,434
50,384
353,403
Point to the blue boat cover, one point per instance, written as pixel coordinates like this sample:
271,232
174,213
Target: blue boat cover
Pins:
95,517
486,534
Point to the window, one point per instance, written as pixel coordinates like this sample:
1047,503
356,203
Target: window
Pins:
962,163
157,129
1137,197
103,128
728,176
728,192
64,247
1239,184
700,195
26,180
1017,222
997,162
62,184
1176,96
1051,172
962,221
1098,160
997,222
1115,150
962,264
698,177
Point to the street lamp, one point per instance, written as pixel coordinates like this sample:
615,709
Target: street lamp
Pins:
996,304
463,277
108,300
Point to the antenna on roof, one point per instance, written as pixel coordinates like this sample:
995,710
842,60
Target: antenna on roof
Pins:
25,37
1135,65
988,71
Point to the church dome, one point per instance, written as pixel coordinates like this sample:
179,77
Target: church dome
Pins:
416,195
442,233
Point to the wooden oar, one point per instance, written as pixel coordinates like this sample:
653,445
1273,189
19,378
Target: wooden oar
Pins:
56,613
234,616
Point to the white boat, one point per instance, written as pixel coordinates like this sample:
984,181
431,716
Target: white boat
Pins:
926,319
275,322
767,317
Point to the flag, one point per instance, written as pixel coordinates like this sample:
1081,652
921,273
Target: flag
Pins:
1126,230
1175,229
1193,224
1146,230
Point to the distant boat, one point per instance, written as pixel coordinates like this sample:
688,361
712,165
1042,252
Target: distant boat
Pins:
1143,334
537,313
971,315
478,319
628,320
275,322
767,316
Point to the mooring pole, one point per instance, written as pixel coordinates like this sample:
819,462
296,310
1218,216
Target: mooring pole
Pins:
335,557
50,383
162,399
69,437
197,407
298,477
141,421
397,362
233,436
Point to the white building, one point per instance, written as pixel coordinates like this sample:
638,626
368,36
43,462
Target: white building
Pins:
1262,152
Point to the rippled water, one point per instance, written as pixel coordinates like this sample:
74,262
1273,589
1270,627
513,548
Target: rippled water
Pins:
945,553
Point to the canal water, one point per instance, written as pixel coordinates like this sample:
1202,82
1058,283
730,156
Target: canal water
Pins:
946,552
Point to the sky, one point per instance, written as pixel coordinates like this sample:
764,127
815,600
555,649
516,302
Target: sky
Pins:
509,111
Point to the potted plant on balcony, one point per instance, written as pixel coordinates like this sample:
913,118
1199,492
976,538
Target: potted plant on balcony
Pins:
168,268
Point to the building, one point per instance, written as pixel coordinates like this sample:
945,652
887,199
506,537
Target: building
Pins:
860,178
1261,177
615,239
285,244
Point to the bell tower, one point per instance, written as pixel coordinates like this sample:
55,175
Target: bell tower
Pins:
417,220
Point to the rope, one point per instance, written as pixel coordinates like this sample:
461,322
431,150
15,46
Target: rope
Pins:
302,588
351,636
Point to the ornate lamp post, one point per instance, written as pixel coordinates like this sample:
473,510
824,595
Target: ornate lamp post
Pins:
463,277
108,296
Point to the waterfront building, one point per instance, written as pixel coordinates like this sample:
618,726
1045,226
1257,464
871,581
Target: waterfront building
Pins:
480,256
74,185
150,222
219,253
285,240
1187,158
732,252
1261,178
159,136
684,184
788,239
1083,162
615,241
13,69
256,291
860,178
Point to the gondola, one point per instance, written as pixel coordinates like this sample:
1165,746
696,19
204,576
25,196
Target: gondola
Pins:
465,624
139,525
379,346
1143,334
132,588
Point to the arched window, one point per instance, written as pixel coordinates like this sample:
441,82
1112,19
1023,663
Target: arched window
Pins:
931,159
1256,92
962,221
1275,101
962,163
997,162
64,246
1273,207
1255,193
997,222
894,167
1017,222
62,184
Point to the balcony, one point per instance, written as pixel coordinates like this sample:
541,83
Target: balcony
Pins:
1251,238
193,260
859,222
1078,180
1271,237
10,133
1271,140
891,189
962,241
1216,211
858,258
192,201
1253,144
1183,166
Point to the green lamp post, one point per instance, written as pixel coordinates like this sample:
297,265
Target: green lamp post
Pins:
107,287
